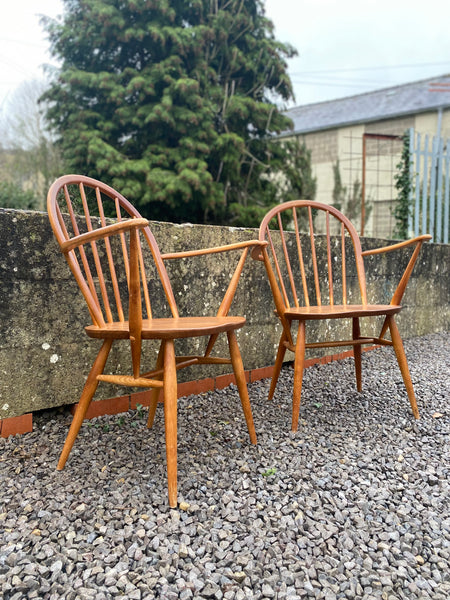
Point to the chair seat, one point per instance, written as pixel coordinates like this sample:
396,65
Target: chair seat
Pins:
169,328
339,311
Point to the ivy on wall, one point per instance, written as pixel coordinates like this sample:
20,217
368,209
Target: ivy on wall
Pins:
404,186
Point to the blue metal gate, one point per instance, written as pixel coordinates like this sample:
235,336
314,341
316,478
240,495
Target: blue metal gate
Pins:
430,193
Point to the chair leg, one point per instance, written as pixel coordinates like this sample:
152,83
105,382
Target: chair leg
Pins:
298,374
88,392
278,365
170,419
154,394
401,359
238,369
357,354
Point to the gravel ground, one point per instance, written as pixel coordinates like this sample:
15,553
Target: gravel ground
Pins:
355,505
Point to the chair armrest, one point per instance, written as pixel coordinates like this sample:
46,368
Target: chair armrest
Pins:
102,232
416,240
204,251
232,286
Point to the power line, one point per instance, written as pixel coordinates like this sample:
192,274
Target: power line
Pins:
41,44
338,80
336,84
379,68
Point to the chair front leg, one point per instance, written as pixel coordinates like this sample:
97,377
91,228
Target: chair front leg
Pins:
402,363
88,392
298,373
357,353
170,419
278,364
238,368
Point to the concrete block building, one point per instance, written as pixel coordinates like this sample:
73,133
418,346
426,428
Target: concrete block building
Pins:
362,133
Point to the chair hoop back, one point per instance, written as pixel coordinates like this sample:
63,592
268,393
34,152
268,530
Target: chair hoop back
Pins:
292,254
81,212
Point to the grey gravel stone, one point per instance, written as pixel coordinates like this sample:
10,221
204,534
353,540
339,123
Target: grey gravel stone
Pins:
355,505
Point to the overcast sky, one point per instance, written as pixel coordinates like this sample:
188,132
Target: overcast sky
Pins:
345,47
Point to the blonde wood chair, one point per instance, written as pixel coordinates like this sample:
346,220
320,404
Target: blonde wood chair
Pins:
306,289
110,267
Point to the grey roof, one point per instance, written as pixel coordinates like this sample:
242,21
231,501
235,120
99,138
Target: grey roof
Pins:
398,101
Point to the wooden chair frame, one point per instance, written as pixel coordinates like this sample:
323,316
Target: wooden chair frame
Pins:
280,270
101,290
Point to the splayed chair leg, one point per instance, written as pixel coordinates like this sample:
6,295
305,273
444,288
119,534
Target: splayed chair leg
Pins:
238,368
357,354
154,394
88,392
298,374
170,419
402,363
278,365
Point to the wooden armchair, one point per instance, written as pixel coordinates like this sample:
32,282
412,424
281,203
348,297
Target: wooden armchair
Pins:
107,261
306,290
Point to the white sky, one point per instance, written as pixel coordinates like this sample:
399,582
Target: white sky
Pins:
345,47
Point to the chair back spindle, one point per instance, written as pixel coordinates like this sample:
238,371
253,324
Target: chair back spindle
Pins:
314,257
330,270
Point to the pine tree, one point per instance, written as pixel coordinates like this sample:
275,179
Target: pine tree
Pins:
172,102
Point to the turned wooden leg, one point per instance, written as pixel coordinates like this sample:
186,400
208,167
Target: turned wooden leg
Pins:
357,354
88,392
154,394
278,365
298,374
401,359
238,369
170,419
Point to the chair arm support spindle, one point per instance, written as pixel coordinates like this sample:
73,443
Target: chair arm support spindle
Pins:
418,241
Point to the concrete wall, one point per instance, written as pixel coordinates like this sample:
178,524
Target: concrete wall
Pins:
45,354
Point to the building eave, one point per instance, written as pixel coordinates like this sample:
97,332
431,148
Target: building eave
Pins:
380,105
